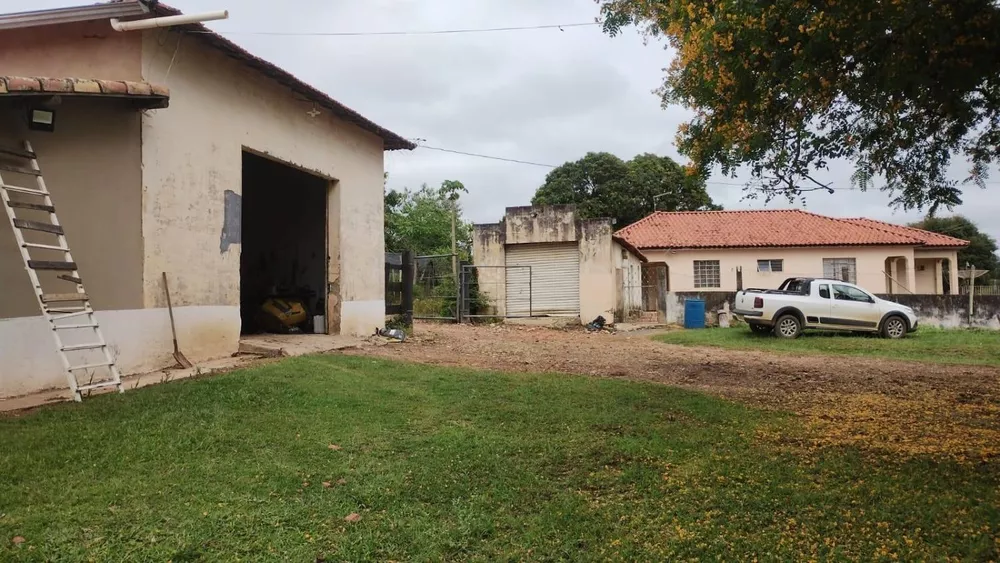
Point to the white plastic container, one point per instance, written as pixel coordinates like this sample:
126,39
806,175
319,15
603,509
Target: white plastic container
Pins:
319,324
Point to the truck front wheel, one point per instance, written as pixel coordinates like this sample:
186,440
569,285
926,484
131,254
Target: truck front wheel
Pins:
788,326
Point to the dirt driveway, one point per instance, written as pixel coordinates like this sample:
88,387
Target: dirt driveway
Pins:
885,405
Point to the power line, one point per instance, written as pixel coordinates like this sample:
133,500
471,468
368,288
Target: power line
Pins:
559,26
514,160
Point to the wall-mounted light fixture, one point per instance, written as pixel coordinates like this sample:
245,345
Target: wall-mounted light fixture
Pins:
41,119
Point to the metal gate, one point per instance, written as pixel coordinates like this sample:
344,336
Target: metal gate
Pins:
642,293
436,287
550,285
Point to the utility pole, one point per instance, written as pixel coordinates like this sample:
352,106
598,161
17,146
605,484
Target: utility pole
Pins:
454,241
454,262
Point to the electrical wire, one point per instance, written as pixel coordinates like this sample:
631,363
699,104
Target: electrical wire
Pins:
514,160
559,26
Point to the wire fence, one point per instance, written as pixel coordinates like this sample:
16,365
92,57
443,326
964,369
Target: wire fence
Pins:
982,289
435,287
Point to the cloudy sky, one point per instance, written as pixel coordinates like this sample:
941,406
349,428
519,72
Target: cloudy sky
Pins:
545,96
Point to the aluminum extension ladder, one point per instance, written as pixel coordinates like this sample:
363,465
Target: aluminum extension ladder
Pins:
66,313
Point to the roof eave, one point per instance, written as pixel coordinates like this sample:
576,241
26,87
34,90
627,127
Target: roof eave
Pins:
75,14
628,246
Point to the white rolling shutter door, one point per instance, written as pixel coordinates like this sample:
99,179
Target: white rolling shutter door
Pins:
555,279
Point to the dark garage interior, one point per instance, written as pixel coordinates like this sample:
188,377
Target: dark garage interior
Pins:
283,263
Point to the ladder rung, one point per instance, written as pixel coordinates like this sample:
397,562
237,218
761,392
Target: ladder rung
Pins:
21,190
35,206
45,246
39,226
90,366
100,385
78,312
70,278
20,170
64,297
72,327
57,266
20,154
88,346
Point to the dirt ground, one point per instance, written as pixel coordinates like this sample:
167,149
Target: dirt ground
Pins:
904,408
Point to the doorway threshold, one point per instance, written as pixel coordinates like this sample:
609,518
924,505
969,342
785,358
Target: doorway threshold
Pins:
280,345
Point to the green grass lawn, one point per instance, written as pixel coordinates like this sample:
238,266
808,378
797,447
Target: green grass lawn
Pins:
957,346
449,464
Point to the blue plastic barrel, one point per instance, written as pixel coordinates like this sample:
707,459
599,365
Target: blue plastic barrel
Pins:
694,313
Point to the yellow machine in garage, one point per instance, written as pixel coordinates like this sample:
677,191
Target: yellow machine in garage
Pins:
282,314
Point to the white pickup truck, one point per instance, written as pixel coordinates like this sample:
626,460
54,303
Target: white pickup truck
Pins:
801,303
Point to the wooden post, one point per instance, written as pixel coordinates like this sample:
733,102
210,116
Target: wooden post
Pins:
739,278
972,289
407,288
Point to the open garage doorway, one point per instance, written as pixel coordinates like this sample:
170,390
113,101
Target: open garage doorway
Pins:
284,258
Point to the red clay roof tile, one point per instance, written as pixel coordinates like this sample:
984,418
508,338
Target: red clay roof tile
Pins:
769,228
15,86
929,238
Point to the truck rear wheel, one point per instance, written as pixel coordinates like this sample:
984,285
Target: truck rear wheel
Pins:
788,326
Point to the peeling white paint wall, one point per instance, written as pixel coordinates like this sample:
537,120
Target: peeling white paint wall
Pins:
192,154
139,338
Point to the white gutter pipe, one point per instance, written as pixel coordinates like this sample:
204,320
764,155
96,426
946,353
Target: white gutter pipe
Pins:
168,21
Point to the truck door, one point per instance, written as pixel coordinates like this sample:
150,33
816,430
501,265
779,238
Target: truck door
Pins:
817,307
853,308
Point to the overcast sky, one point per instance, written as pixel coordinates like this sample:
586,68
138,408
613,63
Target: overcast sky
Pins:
544,96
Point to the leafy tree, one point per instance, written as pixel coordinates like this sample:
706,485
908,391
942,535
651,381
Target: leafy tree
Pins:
603,185
982,248
420,221
784,87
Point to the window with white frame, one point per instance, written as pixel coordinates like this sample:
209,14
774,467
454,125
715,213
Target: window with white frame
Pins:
843,269
706,273
770,265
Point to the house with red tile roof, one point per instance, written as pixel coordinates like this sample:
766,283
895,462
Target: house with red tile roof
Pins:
717,250
173,150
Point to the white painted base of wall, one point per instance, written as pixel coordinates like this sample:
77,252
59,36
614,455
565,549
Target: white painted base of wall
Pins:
140,338
361,318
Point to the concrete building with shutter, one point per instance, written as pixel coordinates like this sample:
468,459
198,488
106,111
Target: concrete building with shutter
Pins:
548,262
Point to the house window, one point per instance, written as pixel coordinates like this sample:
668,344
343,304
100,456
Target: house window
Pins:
706,273
770,265
843,269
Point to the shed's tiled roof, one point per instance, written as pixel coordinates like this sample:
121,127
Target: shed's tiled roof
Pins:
768,228
11,86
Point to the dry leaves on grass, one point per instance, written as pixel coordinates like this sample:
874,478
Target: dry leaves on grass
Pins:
932,424
335,447
18,540
352,517
905,408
